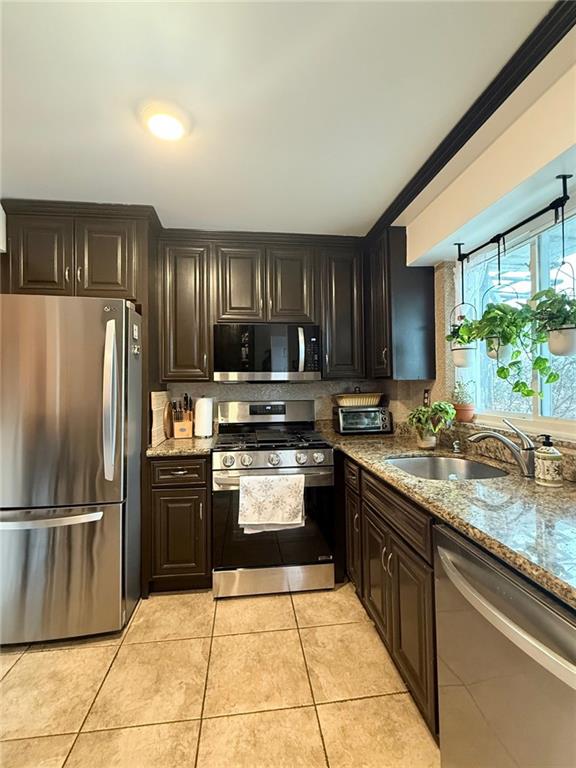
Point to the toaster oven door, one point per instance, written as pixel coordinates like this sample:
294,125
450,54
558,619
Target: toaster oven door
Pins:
364,419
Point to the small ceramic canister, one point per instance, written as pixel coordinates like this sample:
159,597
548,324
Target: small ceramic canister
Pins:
548,464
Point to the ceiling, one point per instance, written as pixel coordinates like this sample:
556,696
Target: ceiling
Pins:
307,117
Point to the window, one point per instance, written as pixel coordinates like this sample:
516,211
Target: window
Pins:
526,268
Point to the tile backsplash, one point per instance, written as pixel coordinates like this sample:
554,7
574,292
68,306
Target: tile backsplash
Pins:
403,395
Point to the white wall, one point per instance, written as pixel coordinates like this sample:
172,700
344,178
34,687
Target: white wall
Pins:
543,136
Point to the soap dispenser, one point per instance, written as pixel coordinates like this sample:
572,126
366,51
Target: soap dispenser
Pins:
548,464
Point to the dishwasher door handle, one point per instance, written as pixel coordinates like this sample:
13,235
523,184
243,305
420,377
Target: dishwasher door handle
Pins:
546,657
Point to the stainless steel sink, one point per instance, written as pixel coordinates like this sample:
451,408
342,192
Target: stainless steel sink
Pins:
445,468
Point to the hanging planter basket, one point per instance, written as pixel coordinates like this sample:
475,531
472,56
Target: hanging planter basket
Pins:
498,351
463,352
562,341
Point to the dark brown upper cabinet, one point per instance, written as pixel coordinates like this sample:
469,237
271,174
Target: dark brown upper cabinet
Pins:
241,284
185,317
41,255
291,285
105,258
274,284
342,313
399,312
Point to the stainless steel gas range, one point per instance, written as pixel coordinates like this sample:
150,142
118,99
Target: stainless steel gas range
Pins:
272,438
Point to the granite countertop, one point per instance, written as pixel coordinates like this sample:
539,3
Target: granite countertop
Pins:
183,446
531,527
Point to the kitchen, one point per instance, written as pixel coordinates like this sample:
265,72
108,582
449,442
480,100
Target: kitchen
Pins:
244,492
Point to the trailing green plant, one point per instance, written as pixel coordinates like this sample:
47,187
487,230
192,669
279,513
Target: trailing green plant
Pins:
462,333
462,393
431,419
552,311
516,327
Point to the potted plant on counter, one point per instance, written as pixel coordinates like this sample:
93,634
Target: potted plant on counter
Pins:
463,401
555,317
428,420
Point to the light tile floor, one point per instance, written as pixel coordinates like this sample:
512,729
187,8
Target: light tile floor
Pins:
284,681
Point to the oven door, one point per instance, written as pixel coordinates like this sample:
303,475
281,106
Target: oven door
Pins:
266,352
273,561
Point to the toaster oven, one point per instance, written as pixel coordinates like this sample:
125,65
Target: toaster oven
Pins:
360,419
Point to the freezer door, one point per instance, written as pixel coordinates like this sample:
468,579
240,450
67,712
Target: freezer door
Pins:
61,401
60,573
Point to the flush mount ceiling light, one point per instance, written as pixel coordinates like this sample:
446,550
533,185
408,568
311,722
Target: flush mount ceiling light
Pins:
165,121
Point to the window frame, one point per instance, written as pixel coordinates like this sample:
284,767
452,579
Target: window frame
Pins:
535,423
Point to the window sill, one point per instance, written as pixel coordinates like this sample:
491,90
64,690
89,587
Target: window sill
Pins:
561,429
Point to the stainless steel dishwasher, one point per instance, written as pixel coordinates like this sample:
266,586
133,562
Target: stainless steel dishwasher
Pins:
506,664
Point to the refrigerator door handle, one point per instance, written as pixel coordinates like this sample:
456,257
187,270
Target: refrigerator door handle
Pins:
546,657
109,399
50,522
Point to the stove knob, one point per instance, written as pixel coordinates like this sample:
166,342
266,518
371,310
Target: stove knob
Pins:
246,460
318,457
228,460
301,458
274,459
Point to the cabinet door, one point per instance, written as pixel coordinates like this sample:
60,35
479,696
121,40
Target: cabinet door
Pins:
180,541
376,587
185,327
413,626
241,284
291,285
353,538
41,250
378,313
343,314
106,258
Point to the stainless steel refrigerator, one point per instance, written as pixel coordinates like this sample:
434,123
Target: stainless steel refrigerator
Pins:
70,412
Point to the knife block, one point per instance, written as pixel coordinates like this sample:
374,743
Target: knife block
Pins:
182,429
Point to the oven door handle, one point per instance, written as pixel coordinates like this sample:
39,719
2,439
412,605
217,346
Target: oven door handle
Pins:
233,483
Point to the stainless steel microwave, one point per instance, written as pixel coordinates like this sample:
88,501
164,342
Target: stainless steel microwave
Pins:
267,352
362,419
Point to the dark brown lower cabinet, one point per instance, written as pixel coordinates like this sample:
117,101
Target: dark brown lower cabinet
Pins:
398,587
353,539
181,541
377,591
413,625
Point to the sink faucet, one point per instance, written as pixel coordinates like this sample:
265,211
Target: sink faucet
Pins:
524,455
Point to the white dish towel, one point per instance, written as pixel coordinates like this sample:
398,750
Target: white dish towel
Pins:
271,502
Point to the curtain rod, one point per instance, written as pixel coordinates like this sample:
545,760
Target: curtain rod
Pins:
555,205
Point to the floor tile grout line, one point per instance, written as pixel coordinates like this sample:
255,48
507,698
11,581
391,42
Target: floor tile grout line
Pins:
211,717
5,675
83,723
205,684
311,688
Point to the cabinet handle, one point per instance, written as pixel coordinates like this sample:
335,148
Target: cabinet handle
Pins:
354,523
261,304
270,305
385,356
79,274
201,510
382,556
179,472
67,275
388,564
205,361
326,358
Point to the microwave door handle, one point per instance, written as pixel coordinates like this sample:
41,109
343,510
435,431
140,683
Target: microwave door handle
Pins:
301,350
